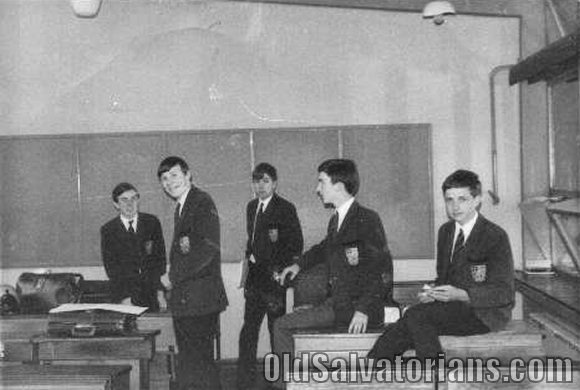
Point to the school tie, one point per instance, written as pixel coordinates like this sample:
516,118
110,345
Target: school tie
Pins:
459,243
333,225
176,214
131,229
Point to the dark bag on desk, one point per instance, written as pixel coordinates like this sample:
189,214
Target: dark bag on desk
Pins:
88,323
38,293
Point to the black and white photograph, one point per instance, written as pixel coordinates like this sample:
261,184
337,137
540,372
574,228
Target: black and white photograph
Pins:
289,194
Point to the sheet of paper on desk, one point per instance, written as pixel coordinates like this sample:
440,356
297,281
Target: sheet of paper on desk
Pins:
127,309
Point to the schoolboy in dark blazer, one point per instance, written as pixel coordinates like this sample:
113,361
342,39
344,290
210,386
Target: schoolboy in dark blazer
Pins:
359,263
197,293
474,289
133,252
274,242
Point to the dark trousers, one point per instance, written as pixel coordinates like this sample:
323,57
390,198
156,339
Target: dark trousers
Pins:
258,304
196,368
421,326
142,293
321,316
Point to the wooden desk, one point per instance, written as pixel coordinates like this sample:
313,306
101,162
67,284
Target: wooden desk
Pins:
136,349
37,323
57,377
15,346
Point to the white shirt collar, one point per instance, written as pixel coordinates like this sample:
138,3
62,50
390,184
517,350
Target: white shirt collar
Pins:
343,210
125,221
467,227
265,202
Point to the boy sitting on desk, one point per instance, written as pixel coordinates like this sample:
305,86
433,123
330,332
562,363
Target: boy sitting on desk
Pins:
359,263
474,289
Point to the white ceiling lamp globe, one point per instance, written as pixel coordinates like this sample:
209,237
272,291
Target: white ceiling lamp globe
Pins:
86,8
437,10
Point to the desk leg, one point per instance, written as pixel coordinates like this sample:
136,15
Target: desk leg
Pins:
136,374
144,375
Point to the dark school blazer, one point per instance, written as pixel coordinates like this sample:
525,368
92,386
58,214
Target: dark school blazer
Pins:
363,284
277,242
195,258
484,268
134,262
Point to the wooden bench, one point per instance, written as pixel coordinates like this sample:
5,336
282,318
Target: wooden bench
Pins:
57,377
519,339
547,380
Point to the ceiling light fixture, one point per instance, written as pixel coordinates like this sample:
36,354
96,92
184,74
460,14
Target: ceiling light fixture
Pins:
437,11
86,8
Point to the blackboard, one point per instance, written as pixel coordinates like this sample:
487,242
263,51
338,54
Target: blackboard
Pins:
55,191
396,181
297,154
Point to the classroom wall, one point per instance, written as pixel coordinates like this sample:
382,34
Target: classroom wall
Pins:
178,65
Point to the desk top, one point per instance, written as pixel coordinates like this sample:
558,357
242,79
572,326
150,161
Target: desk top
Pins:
28,370
131,336
138,345
44,317
19,336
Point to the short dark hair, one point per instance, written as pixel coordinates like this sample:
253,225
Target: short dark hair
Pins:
120,188
463,178
344,171
169,163
264,169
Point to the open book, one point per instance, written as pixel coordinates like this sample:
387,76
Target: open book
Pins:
127,309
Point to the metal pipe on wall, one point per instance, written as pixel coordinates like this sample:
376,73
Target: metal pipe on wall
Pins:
494,192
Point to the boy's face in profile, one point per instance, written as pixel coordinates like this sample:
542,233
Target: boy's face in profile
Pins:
327,191
128,204
460,205
264,187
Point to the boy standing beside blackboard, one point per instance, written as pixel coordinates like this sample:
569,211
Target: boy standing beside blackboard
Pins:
196,290
274,242
133,252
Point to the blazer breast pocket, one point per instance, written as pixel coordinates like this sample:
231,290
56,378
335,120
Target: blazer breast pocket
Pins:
477,268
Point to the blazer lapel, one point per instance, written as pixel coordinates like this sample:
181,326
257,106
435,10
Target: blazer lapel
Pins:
253,209
446,255
351,214
271,205
449,240
141,228
187,205
120,229
473,242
